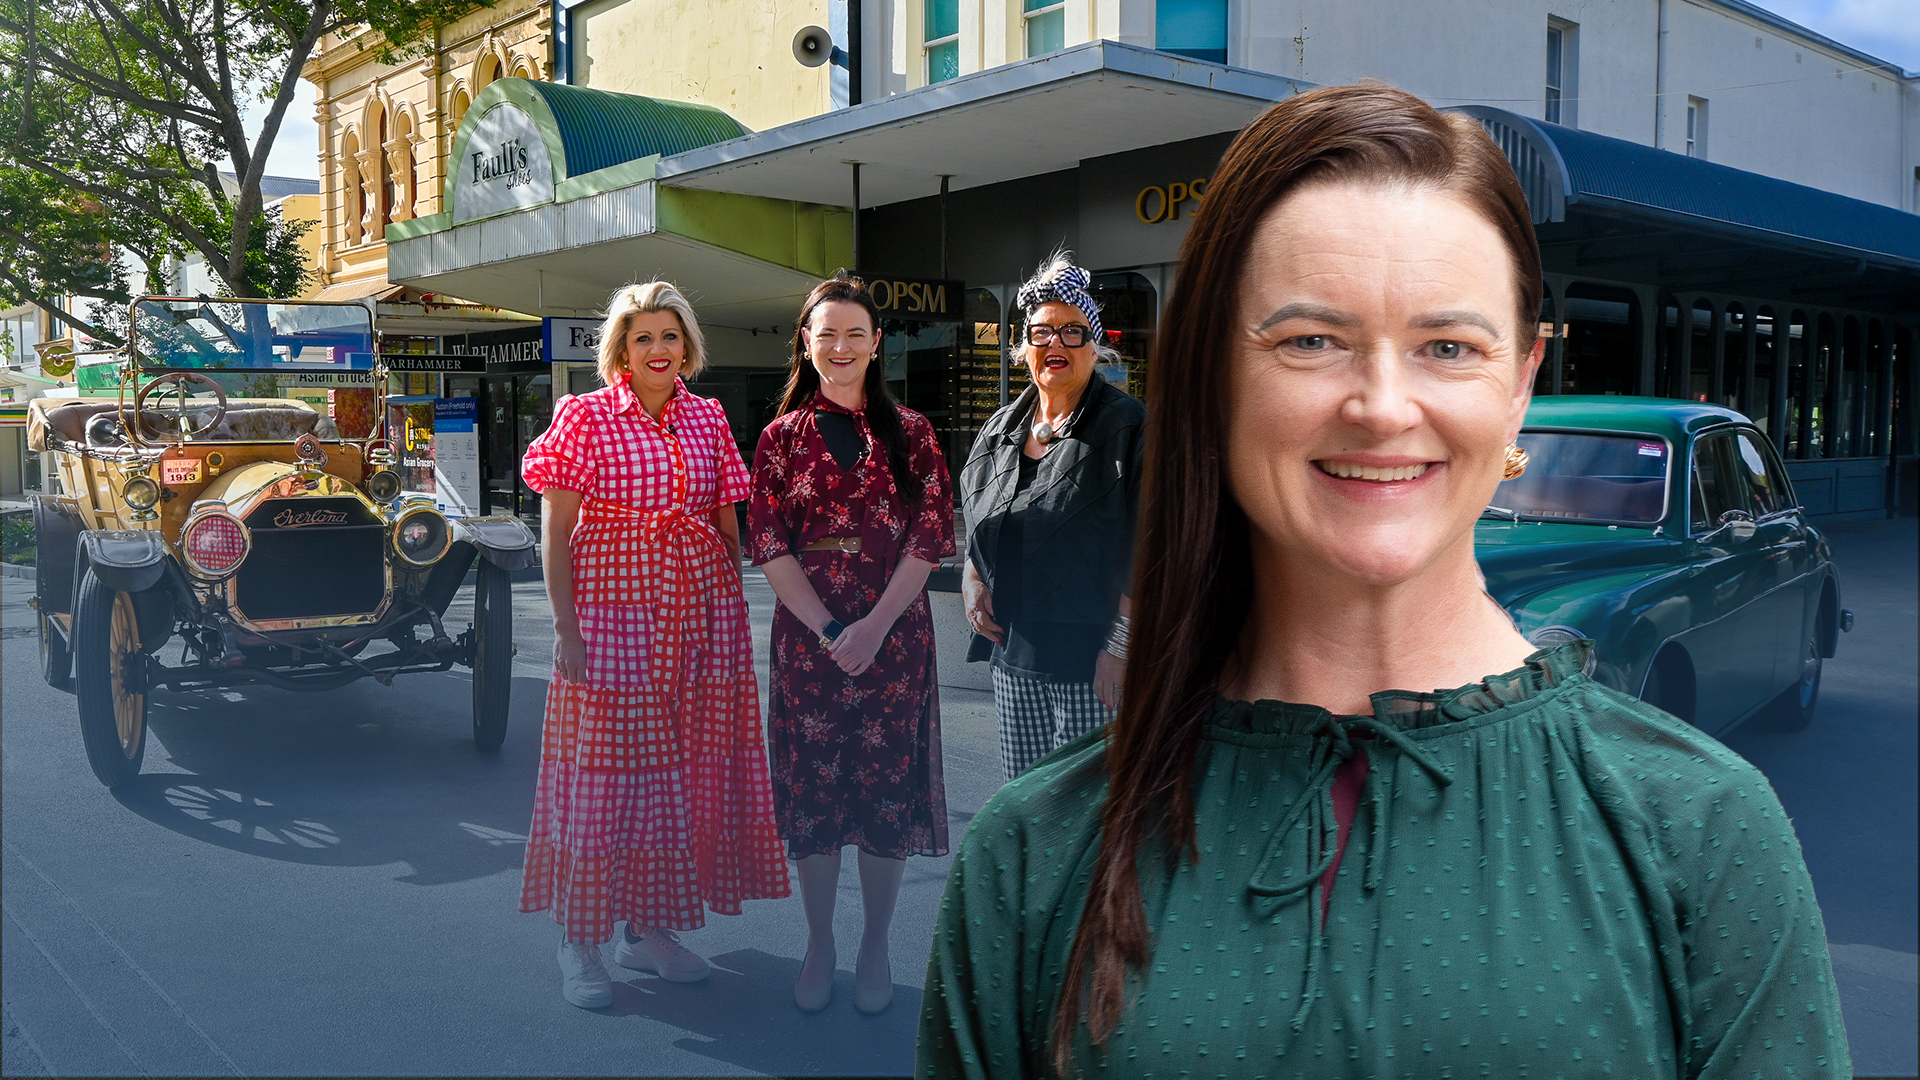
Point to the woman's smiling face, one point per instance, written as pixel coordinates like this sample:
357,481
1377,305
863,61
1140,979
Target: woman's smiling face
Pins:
1376,380
841,342
656,348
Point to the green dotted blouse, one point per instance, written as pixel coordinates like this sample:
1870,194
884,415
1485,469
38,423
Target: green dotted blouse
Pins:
1544,878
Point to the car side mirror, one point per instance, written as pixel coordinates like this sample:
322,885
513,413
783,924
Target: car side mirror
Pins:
1738,523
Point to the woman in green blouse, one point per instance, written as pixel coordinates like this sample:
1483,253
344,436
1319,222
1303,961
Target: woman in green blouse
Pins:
1275,862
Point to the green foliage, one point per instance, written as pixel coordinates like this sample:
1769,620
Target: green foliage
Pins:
117,119
17,538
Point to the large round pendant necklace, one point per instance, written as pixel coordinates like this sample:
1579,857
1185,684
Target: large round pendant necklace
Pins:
1043,433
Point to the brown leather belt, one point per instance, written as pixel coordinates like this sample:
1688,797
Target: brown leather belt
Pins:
848,544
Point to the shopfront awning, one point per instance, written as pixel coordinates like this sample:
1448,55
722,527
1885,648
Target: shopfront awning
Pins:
552,201
1610,203
746,223
1036,116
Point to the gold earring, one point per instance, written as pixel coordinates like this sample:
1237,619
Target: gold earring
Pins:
1516,463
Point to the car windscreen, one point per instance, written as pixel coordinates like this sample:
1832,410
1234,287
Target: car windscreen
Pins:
236,335
1587,477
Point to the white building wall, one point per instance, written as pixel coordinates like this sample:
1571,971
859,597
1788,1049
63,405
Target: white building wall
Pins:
1787,107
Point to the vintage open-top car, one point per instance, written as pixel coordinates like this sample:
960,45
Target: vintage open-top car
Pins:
202,507
1667,533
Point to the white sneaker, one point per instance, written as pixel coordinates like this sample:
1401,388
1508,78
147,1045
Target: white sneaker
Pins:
660,952
583,978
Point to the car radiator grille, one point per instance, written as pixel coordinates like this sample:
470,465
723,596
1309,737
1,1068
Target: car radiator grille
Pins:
313,573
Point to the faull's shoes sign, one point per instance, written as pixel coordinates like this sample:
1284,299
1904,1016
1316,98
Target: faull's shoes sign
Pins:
504,166
507,165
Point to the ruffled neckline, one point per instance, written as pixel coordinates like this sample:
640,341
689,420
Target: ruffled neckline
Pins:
1407,710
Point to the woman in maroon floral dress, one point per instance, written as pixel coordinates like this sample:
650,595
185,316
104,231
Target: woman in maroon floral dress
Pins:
850,510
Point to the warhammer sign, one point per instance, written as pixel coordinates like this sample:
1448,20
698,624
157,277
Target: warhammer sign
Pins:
502,166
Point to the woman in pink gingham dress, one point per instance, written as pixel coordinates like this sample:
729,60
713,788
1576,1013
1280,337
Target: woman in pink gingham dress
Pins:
653,801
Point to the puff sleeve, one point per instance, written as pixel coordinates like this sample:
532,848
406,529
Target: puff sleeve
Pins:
562,456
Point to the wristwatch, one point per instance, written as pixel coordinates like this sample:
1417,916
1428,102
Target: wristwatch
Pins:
830,632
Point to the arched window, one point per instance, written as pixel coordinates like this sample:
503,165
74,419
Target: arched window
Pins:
457,109
375,176
1736,333
1602,350
522,68
485,70
352,204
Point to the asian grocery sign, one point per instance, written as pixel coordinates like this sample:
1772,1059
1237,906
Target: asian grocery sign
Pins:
503,165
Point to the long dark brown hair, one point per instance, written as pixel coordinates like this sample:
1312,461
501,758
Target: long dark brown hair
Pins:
883,413
1193,564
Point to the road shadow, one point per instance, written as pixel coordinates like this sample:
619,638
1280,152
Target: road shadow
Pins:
360,776
744,1015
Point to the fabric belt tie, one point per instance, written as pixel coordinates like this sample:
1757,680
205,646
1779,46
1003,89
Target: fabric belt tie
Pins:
848,544
681,541
1332,746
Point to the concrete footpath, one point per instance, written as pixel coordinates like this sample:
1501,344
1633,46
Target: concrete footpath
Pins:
327,884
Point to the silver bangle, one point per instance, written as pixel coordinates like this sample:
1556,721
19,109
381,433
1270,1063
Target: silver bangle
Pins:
1117,637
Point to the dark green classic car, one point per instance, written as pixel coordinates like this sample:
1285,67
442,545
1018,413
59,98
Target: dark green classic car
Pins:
1667,533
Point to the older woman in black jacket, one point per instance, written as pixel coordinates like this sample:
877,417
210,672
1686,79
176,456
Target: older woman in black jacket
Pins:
1051,490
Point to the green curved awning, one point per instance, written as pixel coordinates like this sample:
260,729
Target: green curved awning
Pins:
580,132
600,129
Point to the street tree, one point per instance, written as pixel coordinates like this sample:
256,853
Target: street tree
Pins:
118,121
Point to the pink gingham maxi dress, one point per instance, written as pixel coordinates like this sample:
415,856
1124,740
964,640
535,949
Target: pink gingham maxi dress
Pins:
653,797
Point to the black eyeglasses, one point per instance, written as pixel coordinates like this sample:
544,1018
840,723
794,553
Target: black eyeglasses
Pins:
1072,335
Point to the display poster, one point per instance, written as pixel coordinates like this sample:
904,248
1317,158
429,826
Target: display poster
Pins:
456,457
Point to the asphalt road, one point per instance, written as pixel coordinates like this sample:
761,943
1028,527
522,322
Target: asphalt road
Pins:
327,884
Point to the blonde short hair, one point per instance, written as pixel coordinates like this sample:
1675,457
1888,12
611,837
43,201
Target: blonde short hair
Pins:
631,300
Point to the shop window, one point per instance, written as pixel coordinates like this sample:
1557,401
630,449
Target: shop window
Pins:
942,37
1696,127
1563,66
1699,385
1734,326
1847,414
1196,28
1602,347
1046,26
1873,395
1759,404
1129,311
1792,344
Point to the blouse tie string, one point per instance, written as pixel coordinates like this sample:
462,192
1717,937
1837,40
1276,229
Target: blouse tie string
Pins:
682,542
1332,746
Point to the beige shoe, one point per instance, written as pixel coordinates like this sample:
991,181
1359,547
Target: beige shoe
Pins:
872,1001
813,999
660,952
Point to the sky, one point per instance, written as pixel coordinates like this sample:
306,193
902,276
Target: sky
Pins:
1888,29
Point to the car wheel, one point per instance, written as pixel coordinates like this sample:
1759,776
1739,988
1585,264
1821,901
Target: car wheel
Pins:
56,663
1797,703
106,648
492,655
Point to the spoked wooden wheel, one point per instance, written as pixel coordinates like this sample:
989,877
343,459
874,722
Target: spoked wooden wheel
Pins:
106,653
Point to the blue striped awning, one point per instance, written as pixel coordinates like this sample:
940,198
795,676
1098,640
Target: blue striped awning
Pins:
1561,167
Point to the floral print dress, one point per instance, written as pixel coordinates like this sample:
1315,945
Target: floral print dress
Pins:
653,796
856,759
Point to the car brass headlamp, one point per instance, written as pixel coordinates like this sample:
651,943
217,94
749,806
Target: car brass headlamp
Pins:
141,493
384,485
421,536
